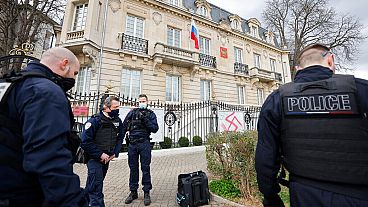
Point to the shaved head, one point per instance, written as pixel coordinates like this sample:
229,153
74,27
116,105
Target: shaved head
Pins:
315,54
61,61
58,54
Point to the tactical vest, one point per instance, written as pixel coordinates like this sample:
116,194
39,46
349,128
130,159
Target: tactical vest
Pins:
107,134
136,123
7,83
324,135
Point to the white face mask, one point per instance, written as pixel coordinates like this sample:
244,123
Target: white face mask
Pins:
142,105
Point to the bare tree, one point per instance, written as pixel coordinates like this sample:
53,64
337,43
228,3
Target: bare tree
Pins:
22,20
302,22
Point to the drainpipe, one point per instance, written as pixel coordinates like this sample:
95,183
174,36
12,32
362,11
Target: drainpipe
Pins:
102,45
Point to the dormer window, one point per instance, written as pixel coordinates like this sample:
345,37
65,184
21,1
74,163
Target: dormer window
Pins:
203,11
254,26
254,31
203,8
235,22
174,2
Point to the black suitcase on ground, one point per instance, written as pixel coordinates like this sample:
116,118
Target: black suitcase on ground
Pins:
193,189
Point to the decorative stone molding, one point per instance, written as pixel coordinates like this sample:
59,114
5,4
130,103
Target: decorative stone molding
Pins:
115,5
224,25
265,53
157,17
92,54
157,63
248,48
223,37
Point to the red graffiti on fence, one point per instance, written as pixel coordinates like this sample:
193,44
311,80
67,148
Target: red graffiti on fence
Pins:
231,120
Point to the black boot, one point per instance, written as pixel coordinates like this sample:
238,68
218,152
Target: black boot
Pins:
147,199
132,196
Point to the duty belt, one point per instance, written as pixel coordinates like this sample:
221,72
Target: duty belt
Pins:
137,140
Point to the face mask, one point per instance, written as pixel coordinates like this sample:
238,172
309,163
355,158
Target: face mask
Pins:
68,83
65,83
113,113
142,105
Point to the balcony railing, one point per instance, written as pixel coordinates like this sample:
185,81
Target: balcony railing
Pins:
134,44
75,35
174,55
278,77
265,75
177,51
240,68
207,60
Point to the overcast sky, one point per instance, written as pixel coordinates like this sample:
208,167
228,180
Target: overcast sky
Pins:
357,8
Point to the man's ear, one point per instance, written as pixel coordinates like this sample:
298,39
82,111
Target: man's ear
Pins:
64,62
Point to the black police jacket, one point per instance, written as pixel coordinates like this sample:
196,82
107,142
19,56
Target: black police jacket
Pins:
268,154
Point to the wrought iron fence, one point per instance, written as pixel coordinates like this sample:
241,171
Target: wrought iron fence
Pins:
134,44
182,119
14,63
207,60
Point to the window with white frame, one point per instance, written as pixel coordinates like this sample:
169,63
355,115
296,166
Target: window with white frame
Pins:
173,37
260,96
83,80
241,94
130,83
238,53
273,64
254,31
205,90
174,2
204,45
135,26
203,11
257,60
80,17
235,24
173,88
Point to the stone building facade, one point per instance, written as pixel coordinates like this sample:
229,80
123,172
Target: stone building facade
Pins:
147,49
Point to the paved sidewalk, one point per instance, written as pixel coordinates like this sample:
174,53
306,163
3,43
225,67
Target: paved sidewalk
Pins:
165,167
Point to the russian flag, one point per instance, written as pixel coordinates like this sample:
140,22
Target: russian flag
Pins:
194,35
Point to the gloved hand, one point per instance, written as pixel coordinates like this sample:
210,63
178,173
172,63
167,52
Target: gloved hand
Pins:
273,201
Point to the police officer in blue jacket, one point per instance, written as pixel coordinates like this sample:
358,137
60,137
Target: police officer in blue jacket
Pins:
102,139
36,167
317,128
140,123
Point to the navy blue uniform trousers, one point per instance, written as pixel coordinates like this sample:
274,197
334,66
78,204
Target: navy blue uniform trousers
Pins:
94,186
142,151
306,196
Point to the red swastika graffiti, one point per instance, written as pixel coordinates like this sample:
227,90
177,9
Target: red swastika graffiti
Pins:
231,123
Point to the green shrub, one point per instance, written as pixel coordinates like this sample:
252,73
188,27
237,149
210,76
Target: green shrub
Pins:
183,142
225,188
167,143
230,155
197,141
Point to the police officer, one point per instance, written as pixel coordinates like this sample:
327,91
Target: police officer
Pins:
317,128
102,139
36,167
140,123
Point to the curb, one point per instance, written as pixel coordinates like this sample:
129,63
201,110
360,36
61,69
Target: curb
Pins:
222,200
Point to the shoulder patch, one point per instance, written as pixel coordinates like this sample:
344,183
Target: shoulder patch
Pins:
87,126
